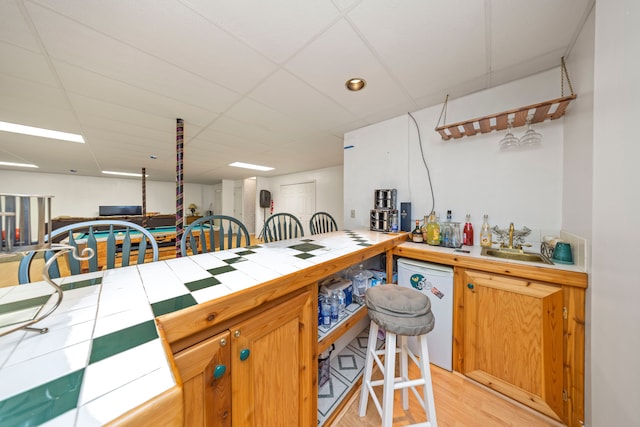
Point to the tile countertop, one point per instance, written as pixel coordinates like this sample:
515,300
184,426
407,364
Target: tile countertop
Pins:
103,355
474,252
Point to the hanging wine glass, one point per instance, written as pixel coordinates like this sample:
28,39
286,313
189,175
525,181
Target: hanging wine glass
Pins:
530,137
509,140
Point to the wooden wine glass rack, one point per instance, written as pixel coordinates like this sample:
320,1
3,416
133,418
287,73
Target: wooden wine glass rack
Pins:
553,109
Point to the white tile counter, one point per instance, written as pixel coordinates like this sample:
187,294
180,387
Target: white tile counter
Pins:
103,355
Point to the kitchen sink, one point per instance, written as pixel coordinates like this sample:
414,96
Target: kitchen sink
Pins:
515,254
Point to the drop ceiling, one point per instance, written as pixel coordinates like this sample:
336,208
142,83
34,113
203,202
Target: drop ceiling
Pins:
255,81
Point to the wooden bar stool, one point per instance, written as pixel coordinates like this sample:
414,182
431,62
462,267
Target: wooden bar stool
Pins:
400,312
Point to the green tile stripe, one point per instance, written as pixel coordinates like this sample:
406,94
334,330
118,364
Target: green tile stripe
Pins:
122,340
24,304
202,284
42,403
173,304
81,284
221,270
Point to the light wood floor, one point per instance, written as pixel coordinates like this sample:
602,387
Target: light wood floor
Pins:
460,402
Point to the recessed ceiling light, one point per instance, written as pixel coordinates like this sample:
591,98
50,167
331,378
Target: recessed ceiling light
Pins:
153,157
44,133
122,173
356,84
250,166
20,165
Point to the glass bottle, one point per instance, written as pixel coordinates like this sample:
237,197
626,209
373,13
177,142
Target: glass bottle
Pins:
335,307
467,232
342,305
424,228
485,233
416,236
433,231
326,311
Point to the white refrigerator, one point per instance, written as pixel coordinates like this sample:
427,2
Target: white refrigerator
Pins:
435,281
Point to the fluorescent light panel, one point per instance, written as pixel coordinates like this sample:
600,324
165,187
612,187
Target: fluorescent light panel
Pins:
250,166
122,173
44,133
20,165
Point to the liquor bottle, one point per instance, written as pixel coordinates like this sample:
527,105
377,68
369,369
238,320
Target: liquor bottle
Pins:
433,231
485,233
416,236
424,228
467,232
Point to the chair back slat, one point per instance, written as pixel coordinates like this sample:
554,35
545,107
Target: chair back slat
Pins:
74,264
322,222
111,247
282,226
126,248
216,232
109,243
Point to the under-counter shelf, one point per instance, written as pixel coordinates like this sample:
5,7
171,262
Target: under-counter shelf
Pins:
329,334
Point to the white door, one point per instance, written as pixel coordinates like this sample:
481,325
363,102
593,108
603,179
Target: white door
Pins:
299,200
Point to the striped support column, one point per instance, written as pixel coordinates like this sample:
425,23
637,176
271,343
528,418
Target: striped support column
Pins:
144,197
179,183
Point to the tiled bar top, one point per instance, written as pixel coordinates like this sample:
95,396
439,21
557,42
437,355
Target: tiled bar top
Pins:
103,355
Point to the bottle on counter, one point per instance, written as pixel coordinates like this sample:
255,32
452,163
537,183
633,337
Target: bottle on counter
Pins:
467,232
433,231
424,228
416,236
485,233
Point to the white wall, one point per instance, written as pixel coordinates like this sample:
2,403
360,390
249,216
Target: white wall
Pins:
249,204
615,287
329,192
577,169
82,195
469,175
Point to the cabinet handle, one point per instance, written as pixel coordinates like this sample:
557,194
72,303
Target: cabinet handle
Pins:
244,354
470,286
219,371
237,334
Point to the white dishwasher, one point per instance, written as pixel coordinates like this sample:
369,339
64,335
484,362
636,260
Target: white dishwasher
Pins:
435,281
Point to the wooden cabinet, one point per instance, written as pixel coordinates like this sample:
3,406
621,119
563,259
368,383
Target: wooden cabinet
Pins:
513,339
269,375
204,369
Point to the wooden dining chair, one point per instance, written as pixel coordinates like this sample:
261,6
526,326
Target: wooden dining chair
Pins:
282,226
322,222
115,243
212,233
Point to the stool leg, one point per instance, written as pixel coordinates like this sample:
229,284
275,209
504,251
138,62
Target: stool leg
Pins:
366,376
389,379
429,403
404,371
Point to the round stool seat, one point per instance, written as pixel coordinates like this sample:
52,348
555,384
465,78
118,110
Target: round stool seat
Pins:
400,310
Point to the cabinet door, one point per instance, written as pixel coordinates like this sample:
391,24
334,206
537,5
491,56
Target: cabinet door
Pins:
204,369
513,343
272,366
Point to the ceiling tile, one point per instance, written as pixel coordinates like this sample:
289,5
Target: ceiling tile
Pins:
277,28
